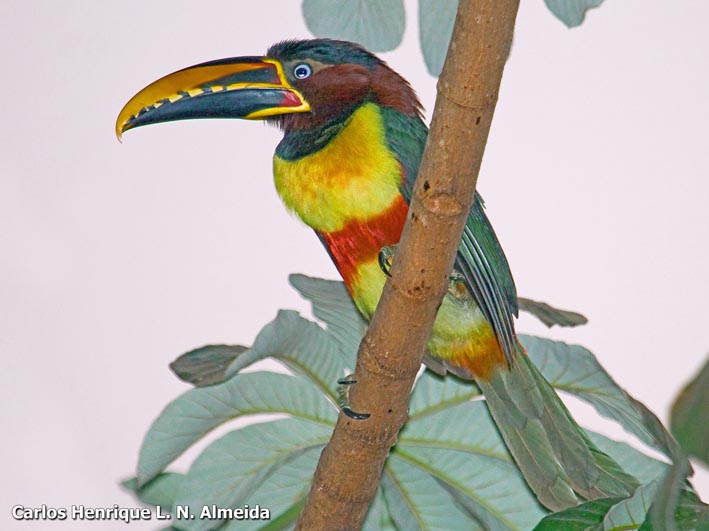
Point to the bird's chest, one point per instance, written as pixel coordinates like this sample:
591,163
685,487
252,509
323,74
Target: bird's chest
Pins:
354,177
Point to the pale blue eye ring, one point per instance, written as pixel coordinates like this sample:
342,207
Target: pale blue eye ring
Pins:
302,71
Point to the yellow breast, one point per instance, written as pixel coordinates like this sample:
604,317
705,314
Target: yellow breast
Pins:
355,176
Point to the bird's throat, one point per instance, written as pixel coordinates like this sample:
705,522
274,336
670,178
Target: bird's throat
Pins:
348,191
353,177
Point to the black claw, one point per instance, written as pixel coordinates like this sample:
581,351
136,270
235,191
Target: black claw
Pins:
344,401
347,410
383,263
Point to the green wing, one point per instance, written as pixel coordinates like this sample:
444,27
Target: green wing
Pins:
480,259
482,263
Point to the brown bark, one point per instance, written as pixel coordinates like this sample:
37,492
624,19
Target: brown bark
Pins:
390,355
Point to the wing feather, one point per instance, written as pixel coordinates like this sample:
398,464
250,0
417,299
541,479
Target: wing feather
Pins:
480,260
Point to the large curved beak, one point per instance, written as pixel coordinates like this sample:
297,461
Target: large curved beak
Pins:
240,87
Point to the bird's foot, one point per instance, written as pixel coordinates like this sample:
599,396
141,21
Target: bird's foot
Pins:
386,258
343,394
458,289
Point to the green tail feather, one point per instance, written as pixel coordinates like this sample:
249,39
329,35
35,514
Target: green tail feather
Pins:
556,457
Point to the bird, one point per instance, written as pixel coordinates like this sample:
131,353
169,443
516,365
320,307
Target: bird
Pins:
353,139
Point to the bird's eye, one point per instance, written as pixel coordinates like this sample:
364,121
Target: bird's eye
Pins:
302,71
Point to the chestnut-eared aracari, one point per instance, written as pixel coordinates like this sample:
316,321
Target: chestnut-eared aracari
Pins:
353,137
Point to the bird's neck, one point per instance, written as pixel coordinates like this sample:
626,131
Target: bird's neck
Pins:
299,143
344,172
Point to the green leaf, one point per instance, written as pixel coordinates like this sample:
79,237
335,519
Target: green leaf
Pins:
283,493
635,512
689,419
668,484
690,515
571,12
285,521
460,447
436,21
417,501
631,512
664,506
574,369
159,491
549,315
301,345
333,305
378,517
192,415
376,24
617,514
232,467
465,427
585,517
432,393
496,493
206,365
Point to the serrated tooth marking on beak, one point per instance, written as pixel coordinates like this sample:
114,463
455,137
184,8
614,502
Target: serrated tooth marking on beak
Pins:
172,99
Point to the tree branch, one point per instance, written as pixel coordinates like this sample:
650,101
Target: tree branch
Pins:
390,355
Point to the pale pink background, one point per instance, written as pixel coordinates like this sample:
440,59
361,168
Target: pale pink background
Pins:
115,259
